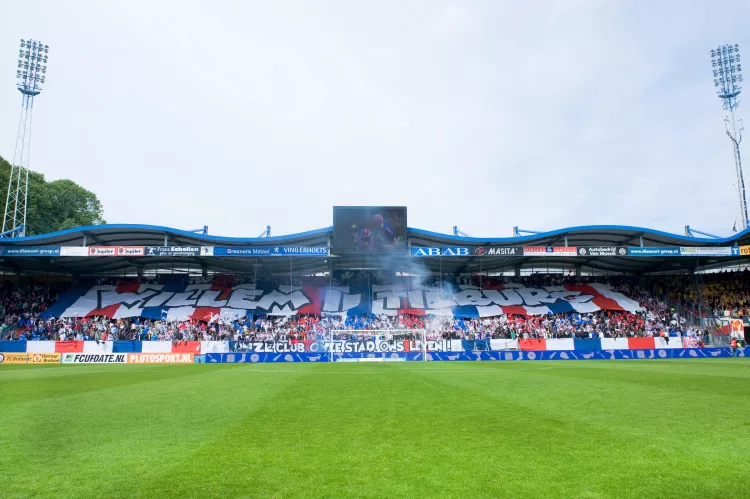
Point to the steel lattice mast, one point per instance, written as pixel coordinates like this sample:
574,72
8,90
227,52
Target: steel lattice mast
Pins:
727,71
31,73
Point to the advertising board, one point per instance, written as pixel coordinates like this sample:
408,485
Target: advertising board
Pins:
14,358
84,358
160,358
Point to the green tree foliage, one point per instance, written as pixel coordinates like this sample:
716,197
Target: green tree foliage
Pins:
56,205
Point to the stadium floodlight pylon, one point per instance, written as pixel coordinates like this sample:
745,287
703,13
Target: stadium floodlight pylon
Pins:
31,74
727,71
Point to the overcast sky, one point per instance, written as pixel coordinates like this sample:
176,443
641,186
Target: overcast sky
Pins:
484,115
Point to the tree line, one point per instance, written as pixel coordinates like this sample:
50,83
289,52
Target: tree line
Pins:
54,205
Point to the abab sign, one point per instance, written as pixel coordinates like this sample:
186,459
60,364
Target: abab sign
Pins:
467,251
454,251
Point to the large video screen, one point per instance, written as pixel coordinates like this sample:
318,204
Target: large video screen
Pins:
369,229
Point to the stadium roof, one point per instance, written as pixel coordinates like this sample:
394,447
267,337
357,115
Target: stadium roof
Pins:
150,235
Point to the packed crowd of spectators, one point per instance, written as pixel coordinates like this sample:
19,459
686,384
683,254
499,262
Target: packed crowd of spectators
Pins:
719,294
22,304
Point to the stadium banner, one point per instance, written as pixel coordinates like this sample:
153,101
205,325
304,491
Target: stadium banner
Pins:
745,250
74,251
614,344
641,343
204,302
497,251
13,346
271,251
588,344
30,251
654,251
550,251
667,342
40,346
14,358
69,346
603,251
252,358
44,358
448,251
84,358
127,346
214,347
131,251
379,344
560,344
606,345
708,251
126,251
656,354
99,347
532,344
156,347
467,251
173,251
161,358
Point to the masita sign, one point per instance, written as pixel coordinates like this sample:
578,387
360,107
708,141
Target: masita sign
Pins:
467,251
85,358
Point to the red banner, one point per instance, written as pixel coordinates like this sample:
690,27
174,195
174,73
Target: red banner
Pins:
641,343
533,344
69,346
186,347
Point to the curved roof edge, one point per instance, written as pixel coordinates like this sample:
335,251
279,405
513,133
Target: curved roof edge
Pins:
412,232
168,230
581,228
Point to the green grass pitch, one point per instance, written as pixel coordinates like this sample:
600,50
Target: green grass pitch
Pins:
650,428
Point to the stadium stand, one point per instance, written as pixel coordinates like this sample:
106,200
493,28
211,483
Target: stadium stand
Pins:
22,307
168,285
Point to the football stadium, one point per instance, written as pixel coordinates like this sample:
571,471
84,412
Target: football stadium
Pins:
370,359
360,355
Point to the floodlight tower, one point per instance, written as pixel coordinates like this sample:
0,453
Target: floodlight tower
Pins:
727,70
31,73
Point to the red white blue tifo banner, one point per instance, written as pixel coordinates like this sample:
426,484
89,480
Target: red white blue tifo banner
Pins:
177,302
